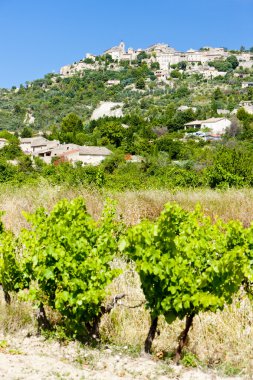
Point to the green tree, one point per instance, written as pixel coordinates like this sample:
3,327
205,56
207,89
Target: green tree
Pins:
142,55
155,66
233,61
7,171
110,132
18,109
182,65
218,94
232,166
11,151
70,127
175,74
26,132
167,144
140,84
71,123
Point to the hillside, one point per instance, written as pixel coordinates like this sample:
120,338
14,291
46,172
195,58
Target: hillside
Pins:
141,84
183,126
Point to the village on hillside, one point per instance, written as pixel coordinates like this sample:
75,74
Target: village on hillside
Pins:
49,150
204,101
166,57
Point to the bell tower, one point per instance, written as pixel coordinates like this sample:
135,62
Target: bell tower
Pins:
122,47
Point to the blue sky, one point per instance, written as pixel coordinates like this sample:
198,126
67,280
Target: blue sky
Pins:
40,36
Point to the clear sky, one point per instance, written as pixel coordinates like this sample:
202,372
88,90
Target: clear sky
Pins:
40,36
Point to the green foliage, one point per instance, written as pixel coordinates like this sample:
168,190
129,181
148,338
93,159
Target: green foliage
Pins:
140,84
109,132
179,119
67,256
232,166
182,65
71,123
11,274
7,171
190,360
11,150
26,132
233,61
228,64
71,129
217,94
8,136
88,61
155,66
186,263
166,144
175,74
142,55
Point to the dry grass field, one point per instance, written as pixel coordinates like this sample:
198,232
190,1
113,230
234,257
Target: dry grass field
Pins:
223,341
132,206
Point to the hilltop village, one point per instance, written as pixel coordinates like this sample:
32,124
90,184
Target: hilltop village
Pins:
166,58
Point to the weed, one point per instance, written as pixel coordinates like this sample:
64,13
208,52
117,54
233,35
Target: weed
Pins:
190,360
3,344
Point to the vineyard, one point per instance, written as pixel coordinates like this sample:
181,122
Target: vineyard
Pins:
68,266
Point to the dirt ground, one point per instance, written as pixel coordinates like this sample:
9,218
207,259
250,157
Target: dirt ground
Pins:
34,358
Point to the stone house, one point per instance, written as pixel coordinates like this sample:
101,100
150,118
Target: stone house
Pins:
87,155
31,145
93,155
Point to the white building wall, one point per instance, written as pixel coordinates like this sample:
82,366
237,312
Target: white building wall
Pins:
36,149
91,160
196,57
85,159
165,60
26,147
218,127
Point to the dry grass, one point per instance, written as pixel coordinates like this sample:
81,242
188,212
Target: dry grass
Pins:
223,339
28,198
231,204
16,316
132,206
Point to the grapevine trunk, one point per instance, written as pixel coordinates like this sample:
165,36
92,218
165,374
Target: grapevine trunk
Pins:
183,337
7,297
43,322
151,335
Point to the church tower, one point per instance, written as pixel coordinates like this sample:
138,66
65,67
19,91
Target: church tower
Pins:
122,47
